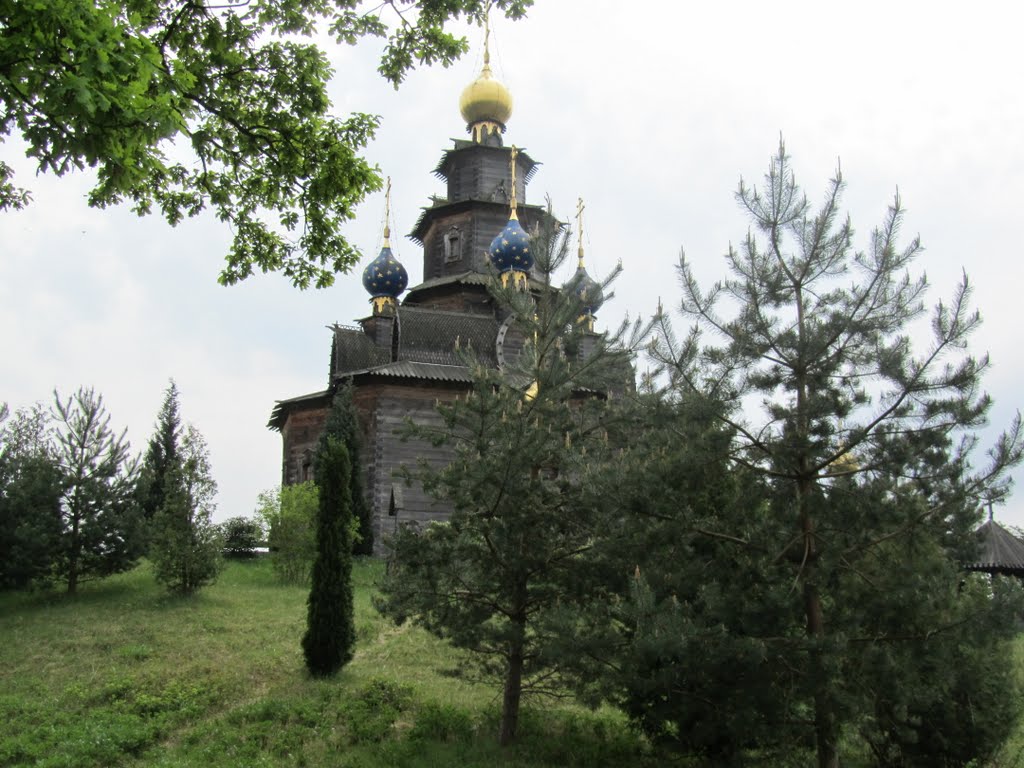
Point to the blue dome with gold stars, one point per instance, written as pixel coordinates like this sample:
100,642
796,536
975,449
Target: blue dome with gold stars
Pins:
510,250
589,291
385,277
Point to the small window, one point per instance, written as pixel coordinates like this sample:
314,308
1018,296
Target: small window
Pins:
453,245
395,503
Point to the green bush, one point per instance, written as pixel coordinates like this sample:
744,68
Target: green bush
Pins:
242,536
289,515
371,715
442,722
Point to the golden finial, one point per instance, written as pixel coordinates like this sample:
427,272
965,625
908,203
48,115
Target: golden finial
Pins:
512,202
579,227
486,104
387,215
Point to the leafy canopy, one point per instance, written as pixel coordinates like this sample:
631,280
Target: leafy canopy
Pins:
185,105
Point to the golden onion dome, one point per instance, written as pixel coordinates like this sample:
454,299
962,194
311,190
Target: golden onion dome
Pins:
486,99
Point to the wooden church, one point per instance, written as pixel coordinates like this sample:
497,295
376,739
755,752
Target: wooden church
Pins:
404,356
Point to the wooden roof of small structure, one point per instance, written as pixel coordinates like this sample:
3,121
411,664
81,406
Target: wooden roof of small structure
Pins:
1001,551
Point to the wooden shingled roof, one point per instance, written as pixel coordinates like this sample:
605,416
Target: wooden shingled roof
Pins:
1001,551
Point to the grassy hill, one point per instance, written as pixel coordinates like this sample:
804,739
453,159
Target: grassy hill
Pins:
124,674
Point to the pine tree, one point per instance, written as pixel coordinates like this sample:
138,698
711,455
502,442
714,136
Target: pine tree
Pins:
101,531
864,448
330,626
343,425
185,544
490,577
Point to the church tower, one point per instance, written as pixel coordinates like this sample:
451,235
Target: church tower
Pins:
456,231
404,356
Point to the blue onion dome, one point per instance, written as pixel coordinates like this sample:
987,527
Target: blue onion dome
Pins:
385,278
587,289
510,252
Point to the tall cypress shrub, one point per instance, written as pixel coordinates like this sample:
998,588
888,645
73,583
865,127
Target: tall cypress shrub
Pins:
330,629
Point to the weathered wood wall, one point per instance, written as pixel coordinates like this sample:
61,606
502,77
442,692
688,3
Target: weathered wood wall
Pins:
300,434
387,454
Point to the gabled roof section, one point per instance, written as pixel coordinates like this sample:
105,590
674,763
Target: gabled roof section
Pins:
352,349
430,336
282,407
1001,551
405,369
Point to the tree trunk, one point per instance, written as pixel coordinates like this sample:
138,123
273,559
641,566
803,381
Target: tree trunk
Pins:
514,672
73,553
825,736
513,693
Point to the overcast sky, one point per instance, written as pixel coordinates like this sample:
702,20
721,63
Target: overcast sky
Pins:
651,117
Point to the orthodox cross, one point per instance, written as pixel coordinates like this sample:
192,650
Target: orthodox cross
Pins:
512,201
579,227
387,215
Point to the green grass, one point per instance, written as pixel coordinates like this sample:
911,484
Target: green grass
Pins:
123,674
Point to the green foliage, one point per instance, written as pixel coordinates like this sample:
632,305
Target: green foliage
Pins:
442,722
182,107
951,699
30,491
289,516
186,544
489,578
161,459
101,527
841,598
669,622
329,642
242,535
342,424
372,712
